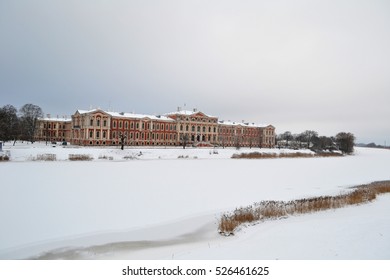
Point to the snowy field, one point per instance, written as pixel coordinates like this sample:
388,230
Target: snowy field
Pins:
165,204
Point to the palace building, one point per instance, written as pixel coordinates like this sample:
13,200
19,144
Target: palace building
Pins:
98,127
54,129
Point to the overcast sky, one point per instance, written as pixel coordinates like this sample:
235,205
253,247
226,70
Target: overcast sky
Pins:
318,65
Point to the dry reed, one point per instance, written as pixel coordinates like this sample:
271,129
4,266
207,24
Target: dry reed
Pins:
80,157
266,210
258,155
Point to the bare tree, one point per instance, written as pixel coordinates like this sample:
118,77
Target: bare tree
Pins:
308,136
30,114
123,138
9,123
346,141
184,140
237,141
287,136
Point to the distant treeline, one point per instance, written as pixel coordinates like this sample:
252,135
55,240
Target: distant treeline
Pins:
372,145
342,141
19,124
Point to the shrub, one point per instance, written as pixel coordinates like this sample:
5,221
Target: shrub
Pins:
46,157
130,157
181,156
80,157
105,157
4,158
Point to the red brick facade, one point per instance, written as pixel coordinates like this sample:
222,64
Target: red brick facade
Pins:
192,128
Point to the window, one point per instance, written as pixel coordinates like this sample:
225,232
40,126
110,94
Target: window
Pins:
91,134
98,122
120,124
97,134
91,122
131,125
114,124
126,125
104,134
104,122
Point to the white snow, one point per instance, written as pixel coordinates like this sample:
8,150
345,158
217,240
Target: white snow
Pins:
160,206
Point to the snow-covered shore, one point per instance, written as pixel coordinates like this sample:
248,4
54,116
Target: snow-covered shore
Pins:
165,203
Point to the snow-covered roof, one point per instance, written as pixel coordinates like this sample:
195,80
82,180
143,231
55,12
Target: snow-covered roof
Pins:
188,113
246,124
127,115
56,119
139,116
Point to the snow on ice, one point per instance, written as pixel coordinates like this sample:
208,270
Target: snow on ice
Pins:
165,203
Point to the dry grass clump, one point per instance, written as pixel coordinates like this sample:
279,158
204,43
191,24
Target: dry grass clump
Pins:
80,157
258,155
105,157
328,154
46,157
266,210
295,155
181,156
4,158
380,187
255,155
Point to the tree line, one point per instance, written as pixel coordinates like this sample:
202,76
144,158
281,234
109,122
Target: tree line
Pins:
22,124
19,124
343,141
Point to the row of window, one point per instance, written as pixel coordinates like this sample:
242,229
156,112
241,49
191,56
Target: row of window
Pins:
143,125
131,135
49,126
53,134
235,131
198,128
196,119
